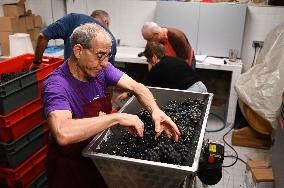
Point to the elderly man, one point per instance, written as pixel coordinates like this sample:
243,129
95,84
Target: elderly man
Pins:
77,107
63,28
174,40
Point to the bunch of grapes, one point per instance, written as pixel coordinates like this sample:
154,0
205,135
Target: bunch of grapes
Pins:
5,77
186,115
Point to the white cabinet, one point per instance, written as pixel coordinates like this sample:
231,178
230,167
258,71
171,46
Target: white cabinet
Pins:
211,28
181,15
221,27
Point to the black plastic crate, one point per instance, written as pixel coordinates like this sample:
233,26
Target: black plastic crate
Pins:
40,181
18,92
18,151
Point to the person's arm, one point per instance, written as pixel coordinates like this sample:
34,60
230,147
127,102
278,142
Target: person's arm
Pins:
41,45
67,130
161,121
58,30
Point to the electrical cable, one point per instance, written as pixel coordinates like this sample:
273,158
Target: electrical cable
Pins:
230,147
253,62
253,57
220,129
233,156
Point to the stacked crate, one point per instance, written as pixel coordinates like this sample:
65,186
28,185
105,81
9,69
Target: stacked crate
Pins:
281,118
17,20
23,128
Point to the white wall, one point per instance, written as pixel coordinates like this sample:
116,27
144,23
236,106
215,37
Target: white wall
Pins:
259,21
127,17
50,11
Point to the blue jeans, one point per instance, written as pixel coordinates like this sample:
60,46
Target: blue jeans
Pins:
198,87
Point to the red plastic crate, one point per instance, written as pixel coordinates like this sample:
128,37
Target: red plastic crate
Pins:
26,172
20,91
19,63
18,151
13,131
20,113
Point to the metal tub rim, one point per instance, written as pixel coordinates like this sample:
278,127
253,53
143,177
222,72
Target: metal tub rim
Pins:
187,169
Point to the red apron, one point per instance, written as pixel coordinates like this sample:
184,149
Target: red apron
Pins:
67,168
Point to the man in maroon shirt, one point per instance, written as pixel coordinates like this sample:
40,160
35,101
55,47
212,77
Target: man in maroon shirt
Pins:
174,40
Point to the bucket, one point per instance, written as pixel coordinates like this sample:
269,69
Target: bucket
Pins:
20,43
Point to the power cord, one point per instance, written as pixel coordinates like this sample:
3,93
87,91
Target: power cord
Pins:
232,156
236,156
220,129
256,44
254,57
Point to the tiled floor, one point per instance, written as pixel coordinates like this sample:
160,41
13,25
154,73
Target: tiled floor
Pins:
233,177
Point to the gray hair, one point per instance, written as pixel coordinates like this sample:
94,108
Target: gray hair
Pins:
101,14
84,34
150,27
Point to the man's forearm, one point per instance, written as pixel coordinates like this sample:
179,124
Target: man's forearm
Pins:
142,93
68,131
145,97
42,43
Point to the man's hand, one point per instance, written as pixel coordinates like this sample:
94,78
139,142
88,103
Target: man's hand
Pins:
35,66
132,123
164,123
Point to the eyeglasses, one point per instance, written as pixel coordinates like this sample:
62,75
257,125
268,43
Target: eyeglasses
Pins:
102,55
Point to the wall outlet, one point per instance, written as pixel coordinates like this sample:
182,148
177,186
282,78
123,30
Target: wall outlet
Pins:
257,44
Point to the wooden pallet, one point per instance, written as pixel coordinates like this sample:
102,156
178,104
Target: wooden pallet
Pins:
248,137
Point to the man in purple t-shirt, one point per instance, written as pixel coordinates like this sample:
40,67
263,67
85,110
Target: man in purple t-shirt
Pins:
73,92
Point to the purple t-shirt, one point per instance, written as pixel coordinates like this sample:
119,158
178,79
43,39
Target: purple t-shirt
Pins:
61,91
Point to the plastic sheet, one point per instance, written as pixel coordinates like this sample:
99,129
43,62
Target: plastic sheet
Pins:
261,87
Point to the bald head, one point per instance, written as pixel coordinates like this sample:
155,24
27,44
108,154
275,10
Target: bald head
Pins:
151,30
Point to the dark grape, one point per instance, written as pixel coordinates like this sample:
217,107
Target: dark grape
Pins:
186,115
5,77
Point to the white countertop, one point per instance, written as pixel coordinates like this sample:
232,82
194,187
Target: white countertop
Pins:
129,55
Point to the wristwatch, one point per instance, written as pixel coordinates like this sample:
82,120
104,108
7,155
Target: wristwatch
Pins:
36,62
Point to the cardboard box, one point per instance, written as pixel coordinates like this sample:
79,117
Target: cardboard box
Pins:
259,175
34,33
4,36
14,9
22,25
34,43
9,24
38,21
29,22
5,49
